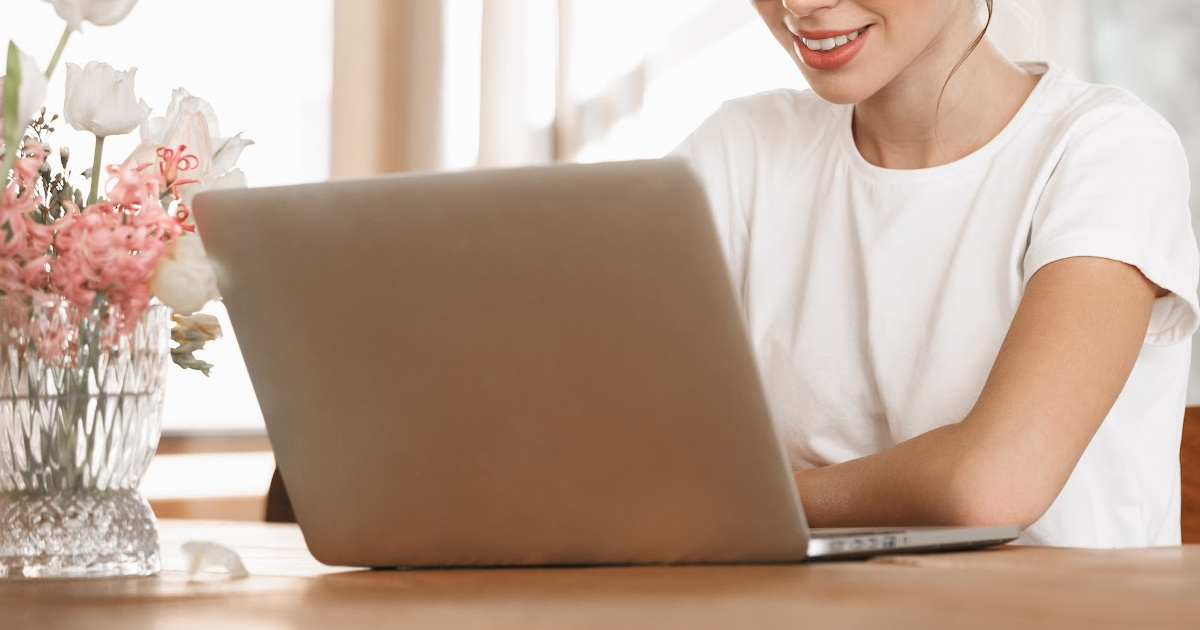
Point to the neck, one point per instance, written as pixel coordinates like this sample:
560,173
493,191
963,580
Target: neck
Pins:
911,123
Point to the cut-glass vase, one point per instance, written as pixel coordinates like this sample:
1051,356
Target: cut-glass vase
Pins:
81,394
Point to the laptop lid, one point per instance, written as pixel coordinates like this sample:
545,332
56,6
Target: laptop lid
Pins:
503,367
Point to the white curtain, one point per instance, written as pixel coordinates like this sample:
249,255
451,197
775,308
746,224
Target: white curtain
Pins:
387,84
423,84
518,77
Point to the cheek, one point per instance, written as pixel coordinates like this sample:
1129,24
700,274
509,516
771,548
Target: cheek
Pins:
921,23
771,12
787,40
900,42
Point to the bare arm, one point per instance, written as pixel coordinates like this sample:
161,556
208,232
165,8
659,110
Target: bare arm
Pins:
1070,349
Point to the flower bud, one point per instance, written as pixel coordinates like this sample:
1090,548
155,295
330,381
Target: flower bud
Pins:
98,12
101,100
184,279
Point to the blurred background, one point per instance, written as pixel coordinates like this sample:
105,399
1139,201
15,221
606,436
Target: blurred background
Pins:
360,87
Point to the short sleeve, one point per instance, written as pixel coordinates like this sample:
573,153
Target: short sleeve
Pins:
1120,191
713,151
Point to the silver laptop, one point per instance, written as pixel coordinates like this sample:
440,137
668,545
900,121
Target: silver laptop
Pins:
536,366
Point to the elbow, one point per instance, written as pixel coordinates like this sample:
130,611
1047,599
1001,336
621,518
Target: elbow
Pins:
992,513
993,500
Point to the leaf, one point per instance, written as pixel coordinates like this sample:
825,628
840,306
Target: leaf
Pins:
188,361
12,92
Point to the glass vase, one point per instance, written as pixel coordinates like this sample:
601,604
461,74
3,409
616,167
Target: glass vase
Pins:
81,394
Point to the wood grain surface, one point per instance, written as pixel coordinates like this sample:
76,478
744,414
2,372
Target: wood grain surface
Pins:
1012,587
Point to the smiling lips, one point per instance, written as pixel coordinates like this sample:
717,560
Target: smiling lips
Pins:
829,43
829,50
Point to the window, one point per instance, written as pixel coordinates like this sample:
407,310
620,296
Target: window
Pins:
590,80
678,60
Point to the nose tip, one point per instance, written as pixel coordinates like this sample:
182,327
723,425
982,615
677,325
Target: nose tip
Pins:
804,8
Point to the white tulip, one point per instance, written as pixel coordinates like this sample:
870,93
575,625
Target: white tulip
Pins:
31,92
182,103
233,179
226,152
191,121
100,99
185,280
98,12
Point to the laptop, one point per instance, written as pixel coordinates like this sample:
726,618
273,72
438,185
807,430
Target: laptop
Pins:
530,366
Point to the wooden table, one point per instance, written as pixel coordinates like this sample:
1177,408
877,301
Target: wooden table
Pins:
1003,588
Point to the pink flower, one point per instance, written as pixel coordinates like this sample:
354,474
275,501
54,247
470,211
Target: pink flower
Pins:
24,243
108,249
133,185
113,246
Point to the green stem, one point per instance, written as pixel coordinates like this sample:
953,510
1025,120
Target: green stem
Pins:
9,101
62,44
92,368
96,171
79,423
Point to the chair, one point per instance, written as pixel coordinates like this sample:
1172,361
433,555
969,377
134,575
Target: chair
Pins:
279,506
1189,469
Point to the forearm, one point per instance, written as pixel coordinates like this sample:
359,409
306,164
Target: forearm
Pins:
937,478
1068,353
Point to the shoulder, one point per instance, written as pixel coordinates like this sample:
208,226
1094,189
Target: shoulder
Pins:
1117,187
1096,117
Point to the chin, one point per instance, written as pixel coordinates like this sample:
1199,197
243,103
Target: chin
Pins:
839,90
850,84
839,94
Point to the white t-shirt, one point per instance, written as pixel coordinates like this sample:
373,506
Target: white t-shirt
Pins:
877,299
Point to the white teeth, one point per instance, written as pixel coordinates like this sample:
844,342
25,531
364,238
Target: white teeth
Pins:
831,42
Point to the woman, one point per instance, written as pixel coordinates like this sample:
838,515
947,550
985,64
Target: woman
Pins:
970,283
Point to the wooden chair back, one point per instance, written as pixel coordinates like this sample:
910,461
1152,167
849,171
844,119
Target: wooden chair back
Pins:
279,505
1189,469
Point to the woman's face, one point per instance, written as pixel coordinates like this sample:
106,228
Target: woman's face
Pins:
849,50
